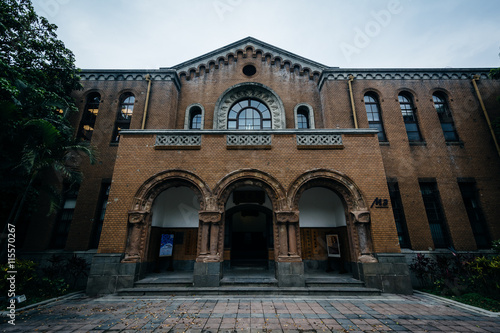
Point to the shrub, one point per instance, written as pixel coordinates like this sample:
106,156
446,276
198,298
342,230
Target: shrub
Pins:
458,274
47,282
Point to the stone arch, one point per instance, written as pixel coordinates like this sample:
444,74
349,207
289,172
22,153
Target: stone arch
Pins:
253,177
149,190
245,90
139,216
357,212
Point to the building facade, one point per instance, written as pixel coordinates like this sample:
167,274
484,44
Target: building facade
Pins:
254,156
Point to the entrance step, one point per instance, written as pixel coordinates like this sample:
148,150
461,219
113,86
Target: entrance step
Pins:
171,280
246,282
333,282
248,291
249,281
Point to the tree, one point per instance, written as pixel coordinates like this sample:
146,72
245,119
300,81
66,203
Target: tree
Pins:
37,76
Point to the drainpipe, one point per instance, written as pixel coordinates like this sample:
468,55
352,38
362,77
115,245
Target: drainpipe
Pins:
148,78
474,79
351,78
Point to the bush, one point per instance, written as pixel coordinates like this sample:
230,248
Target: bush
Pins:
47,282
28,282
458,274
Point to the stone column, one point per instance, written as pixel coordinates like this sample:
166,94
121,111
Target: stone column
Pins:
207,268
137,233
209,243
361,220
290,268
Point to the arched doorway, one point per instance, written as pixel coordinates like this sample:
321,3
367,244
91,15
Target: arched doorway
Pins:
357,240
248,232
249,200
174,230
323,231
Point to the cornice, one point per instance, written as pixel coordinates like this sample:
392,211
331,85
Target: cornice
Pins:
288,131
402,74
130,75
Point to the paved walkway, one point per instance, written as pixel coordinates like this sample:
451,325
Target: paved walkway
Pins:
385,313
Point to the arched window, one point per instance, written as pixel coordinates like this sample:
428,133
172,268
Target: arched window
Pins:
195,118
249,114
124,115
409,117
302,117
373,113
89,116
445,117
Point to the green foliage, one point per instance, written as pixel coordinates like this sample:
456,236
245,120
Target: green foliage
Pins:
48,282
457,274
495,73
37,77
495,246
28,282
478,300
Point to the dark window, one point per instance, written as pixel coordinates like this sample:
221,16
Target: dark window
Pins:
435,216
249,114
445,117
373,113
475,214
89,116
399,215
409,117
124,115
195,118
303,117
61,230
99,218
249,70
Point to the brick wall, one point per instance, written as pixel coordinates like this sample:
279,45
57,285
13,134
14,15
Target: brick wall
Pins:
363,159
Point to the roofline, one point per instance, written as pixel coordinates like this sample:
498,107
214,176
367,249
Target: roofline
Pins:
247,40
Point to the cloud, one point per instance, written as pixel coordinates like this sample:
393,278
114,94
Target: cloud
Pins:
163,33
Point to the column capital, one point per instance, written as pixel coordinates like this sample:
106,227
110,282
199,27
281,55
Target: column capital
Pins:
210,216
136,216
361,216
291,216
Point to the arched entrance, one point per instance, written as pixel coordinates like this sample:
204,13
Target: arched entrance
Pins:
357,215
323,231
154,208
249,200
174,230
248,232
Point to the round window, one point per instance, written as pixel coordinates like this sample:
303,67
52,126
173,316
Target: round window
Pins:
249,70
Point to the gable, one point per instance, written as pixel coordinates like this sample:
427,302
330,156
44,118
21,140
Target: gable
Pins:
249,47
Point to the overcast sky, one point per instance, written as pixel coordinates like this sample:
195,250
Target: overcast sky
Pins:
148,34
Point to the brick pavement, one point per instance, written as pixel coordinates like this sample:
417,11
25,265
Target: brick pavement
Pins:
385,313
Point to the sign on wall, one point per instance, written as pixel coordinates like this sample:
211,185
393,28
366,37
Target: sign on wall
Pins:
333,245
166,245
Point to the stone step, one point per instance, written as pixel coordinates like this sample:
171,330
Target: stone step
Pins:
252,281
248,290
164,282
333,282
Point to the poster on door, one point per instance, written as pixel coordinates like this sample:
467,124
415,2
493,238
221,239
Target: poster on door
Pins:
166,245
333,246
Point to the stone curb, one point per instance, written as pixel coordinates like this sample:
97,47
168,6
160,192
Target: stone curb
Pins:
52,300
458,304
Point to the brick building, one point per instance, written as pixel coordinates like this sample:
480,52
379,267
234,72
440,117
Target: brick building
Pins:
252,156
